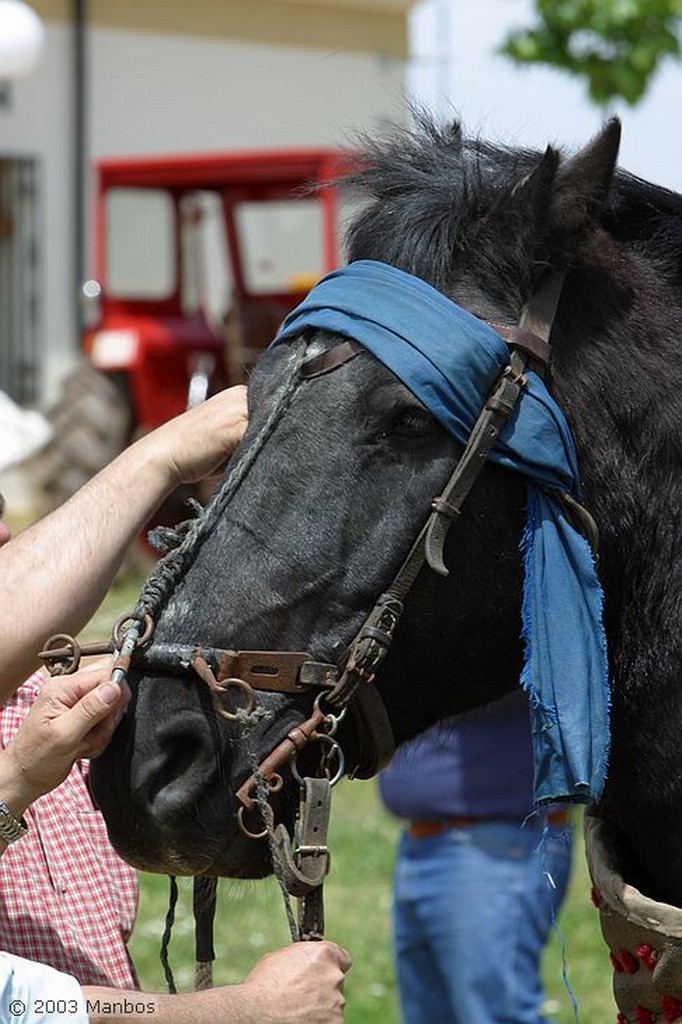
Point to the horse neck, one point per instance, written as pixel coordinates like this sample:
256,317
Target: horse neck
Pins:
617,375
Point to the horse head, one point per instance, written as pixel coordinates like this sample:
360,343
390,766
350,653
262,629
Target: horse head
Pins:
320,505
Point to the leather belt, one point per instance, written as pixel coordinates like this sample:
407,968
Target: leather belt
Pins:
424,829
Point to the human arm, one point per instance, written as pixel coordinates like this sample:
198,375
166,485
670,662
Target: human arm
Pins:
54,575
73,716
300,984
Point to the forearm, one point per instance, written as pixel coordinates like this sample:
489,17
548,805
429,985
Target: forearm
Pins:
14,791
54,575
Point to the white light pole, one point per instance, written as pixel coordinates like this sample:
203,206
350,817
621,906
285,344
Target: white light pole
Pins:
444,42
22,38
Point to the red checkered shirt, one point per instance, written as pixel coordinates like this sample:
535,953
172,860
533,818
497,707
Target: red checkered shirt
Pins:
66,898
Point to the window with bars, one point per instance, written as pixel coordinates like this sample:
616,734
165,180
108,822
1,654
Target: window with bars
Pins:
19,271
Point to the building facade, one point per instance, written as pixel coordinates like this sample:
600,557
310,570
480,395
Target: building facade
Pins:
120,77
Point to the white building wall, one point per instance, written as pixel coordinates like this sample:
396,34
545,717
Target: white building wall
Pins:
182,94
154,93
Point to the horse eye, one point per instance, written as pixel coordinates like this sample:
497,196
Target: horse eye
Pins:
411,423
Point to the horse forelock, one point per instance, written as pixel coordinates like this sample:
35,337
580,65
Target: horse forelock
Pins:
429,192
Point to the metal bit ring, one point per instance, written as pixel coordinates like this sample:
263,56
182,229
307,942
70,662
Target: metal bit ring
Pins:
118,631
245,830
237,684
331,721
334,749
63,667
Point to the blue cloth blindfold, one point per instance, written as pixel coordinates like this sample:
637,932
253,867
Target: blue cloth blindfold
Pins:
450,360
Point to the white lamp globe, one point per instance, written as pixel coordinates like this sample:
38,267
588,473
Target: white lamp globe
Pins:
22,37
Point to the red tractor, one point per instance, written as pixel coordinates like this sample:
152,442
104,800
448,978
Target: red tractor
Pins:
197,259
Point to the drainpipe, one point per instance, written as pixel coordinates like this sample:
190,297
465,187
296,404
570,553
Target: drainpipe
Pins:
80,159
444,49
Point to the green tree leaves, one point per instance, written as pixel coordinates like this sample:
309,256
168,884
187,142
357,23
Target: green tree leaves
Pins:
615,46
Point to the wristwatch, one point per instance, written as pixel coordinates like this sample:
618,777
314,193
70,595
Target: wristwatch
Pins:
11,829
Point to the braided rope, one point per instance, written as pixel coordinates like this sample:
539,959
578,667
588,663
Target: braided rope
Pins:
160,582
165,940
277,866
203,975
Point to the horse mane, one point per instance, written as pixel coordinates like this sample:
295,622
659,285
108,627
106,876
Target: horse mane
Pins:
430,189
640,212
426,187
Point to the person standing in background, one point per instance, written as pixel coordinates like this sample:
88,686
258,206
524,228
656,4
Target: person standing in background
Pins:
478,881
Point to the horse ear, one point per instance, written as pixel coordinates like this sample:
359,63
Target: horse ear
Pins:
534,189
523,212
583,181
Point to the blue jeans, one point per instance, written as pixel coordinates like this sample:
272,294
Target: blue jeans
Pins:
473,909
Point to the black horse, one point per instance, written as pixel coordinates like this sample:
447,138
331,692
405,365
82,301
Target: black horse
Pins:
335,478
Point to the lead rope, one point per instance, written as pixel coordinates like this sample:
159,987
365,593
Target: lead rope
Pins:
299,872
166,937
189,536
155,591
277,866
204,906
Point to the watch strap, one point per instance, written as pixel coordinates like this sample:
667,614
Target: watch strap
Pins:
11,828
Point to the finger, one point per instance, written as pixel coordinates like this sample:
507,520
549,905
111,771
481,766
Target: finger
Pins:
93,672
99,737
66,691
343,957
92,708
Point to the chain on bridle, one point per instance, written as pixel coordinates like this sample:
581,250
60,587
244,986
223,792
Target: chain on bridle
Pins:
349,683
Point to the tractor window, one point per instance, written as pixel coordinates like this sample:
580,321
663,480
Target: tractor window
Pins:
140,243
281,244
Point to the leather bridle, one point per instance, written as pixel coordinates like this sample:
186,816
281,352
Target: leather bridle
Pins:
350,682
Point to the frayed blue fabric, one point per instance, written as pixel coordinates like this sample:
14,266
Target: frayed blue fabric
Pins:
450,360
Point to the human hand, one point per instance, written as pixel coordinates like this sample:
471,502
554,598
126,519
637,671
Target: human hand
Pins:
300,984
196,443
73,716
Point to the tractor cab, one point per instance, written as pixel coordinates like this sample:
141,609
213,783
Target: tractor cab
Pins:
197,260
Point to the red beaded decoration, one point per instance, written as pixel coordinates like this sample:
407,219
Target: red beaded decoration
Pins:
672,1009
629,961
647,956
644,1016
616,964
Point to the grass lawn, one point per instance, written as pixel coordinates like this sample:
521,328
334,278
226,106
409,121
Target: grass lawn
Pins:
251,919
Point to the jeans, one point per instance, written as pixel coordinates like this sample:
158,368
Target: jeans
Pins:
473,909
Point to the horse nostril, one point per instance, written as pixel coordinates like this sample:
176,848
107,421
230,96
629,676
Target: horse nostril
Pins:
183,755
174,778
